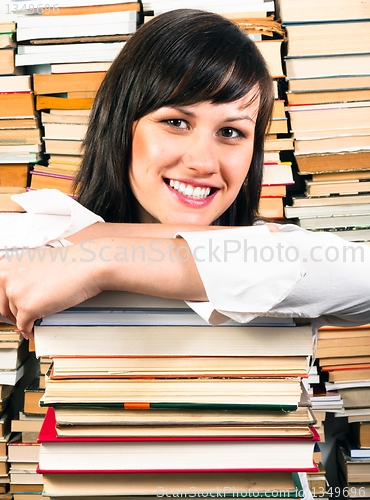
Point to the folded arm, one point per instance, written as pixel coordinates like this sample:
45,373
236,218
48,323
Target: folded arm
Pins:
46,280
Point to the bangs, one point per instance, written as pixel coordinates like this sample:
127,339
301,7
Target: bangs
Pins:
203,58
214,83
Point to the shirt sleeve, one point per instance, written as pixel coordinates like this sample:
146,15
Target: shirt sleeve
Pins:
249,272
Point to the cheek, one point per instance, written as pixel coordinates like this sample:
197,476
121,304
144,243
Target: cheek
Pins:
239,165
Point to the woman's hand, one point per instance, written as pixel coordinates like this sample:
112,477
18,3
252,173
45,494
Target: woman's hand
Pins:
37,282
42,281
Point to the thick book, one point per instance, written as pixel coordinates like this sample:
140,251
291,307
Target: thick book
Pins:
312,39
300,11
151,417
265,393
84,25
149,486
17,105
16,83
29,55
327,210
180,432
177,366
327,66
157,340
355,470
326,118
145,316
187,454
46,180
329,162
361,433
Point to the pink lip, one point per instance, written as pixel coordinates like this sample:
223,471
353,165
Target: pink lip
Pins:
192,202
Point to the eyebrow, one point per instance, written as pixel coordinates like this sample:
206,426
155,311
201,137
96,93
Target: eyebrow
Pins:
231,119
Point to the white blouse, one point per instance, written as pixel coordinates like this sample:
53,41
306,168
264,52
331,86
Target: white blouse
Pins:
249,272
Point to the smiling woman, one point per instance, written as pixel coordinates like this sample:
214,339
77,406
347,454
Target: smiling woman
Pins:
187,100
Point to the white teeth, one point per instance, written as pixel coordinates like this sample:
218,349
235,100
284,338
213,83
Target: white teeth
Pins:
190,191
197,192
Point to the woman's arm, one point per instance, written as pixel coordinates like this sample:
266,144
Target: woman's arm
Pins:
142,258
334,287
41,281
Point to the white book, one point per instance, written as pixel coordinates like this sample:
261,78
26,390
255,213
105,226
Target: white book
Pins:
275,175
71,131
80,67
88,52
37,21
30,6
328,210
11,377
109,23
222,8
76,31
70,48
20,149
18,83
156,340
328,66
248,5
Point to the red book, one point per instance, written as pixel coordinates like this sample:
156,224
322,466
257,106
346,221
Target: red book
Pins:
188,454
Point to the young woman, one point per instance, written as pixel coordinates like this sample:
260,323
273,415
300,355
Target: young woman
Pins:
173,162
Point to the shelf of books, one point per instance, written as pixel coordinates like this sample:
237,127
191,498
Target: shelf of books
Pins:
328,103
344,362
327,67
20,141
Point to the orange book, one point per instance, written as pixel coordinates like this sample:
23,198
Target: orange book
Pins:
67,82
90,9
48,102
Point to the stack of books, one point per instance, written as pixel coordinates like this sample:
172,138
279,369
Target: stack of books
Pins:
23,449
20,140
23,458
15,363
327,68
142,394
68,47
345,359
7,47
19,130
353,456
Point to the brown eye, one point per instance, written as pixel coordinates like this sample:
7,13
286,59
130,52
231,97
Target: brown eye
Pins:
231,133
227,132
177,123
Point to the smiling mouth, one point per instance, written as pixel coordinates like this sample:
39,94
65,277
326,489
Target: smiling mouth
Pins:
198,193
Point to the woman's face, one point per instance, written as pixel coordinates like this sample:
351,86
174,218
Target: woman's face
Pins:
189,162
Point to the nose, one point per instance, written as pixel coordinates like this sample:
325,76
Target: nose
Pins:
202,156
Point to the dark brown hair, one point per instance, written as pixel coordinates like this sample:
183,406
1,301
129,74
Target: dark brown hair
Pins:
181,57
